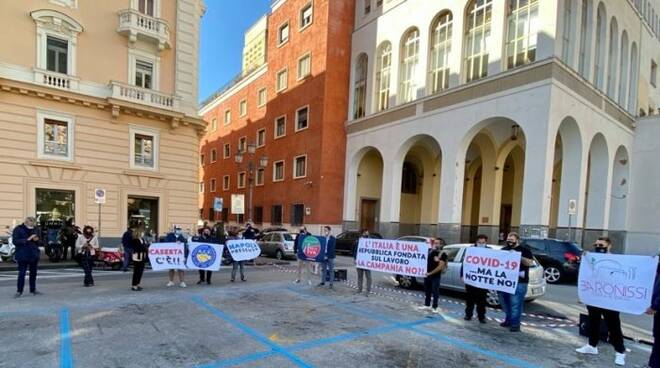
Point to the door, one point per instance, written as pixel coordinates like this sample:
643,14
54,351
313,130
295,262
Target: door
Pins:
143,211
368,212
505,218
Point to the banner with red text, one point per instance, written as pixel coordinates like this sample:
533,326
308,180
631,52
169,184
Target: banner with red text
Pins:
392,256
167,256
617,282
491,269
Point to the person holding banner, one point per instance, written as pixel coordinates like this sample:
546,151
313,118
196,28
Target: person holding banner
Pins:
474,295
436,264
512,304
654,360
204,276
361,272
328,265
301,263
177,237
612,319
235,265
139,257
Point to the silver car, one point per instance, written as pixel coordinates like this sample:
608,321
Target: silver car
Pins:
278,244
451,279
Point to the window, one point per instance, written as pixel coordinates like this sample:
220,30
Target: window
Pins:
613,59
55,136
276,215
241,180
302,118
144,72
623,73
360,91
144,148
599,67
304,66
258,215
227,117
384,65
297,214
261,97
477,34
585,39
280,126
306,16
57,55
440,50
260,177
654,73
214,155
146,7
283,34
242,108
632,91
225,182
242,144
52,201
409,61
201,187
226,151
282,77
214,124
367,7
261,137
201,159
567,33
522,32
278,171
300,167
212,185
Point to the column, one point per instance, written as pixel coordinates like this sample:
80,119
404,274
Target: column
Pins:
390,204
451,195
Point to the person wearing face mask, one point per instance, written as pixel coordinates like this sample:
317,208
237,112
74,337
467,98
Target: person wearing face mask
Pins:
301,264
87,245
26,239
475,295
436,264
138,256
361,272
176,236
328,264
68,236
512,304
612,319
204,275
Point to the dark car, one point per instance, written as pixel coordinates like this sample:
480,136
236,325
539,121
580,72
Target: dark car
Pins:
560,259
346,241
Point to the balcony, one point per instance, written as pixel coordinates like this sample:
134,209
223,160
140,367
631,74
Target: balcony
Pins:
56,80
125,92
136,25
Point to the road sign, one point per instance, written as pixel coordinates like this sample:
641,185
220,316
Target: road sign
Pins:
99,196
238,204
572,207
217,204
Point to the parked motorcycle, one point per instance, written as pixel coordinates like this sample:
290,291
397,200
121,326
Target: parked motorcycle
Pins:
7,250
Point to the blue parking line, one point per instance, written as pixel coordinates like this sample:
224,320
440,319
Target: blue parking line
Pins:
250,332
66,356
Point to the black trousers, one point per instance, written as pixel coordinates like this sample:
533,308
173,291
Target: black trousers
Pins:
654,361
613,327
138,270
475,296
87,265
66,247
22,270
205,275
432,288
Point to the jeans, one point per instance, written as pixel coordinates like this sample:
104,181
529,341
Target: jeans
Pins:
361,273
475,296
613,327
512,305
235,266
87,265
22,269
128,253
328,271
432,288
654,361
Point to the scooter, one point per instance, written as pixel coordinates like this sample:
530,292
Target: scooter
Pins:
7,251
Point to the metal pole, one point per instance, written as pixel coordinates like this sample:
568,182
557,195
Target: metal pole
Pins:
570,237
98,232
250,197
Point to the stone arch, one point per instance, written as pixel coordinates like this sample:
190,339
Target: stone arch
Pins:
597,201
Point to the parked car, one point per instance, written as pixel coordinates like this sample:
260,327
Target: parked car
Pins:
278,244
560,259
452,278
346,241
416,239
270,230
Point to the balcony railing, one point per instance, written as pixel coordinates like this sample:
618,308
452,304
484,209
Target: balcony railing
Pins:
153,98
137,25
57,80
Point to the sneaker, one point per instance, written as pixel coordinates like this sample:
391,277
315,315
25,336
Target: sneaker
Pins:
200,282
467,318
505,324
620,359
18,295
169,284
35,293
208,283
296,281
424,308
232,280
321,284
482,320
436,311
182,284
588,349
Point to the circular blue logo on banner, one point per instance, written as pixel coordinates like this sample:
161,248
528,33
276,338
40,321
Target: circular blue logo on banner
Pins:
203,256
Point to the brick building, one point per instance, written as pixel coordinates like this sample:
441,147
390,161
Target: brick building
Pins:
290,111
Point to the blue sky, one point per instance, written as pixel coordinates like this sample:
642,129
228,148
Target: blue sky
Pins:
223,27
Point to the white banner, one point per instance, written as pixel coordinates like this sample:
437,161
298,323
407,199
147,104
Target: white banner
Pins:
243,250
617,282
204,256
392,256
167,256
491,269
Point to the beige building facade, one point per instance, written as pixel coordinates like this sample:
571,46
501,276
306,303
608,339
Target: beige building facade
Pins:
100,95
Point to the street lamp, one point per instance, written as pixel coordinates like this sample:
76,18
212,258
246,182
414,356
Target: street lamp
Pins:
251,167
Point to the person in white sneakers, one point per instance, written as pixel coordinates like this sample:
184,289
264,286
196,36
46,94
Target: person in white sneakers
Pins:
612,319
177,237
436,264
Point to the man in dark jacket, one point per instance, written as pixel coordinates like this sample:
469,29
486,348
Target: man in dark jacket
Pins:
249,233
654,361
128,248
328,265
361,273
68,235
301,264
476,296
204,275
26,240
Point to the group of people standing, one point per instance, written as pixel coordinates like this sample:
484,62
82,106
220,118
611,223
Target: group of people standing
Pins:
327,264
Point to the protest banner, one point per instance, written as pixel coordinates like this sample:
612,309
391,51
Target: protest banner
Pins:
312,248
392,256
617,282
491,269
204,256
243,250
167,256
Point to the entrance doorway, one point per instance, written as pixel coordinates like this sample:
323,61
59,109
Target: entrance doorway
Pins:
144,209
368,209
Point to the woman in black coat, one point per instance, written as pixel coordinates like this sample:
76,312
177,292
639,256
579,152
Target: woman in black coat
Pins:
139,258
